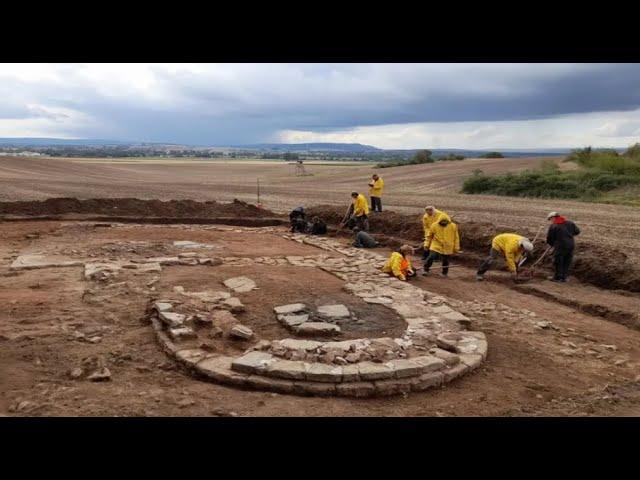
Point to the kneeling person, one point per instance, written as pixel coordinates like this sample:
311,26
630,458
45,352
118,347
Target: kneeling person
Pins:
442,241
399,264
363,239
318,227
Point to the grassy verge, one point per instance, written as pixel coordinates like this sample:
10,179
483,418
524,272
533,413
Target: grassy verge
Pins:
603,176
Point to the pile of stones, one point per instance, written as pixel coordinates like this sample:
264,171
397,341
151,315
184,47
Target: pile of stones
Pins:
298,318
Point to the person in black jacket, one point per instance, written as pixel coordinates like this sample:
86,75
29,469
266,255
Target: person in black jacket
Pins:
560,237
318,227
298,220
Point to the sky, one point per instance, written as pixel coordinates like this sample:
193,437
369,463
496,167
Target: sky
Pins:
395,106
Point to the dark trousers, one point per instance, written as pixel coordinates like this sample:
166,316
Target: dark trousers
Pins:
376,204
435,256
484,266
561,263
362,222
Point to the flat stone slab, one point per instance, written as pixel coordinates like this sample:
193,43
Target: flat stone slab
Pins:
456,316
321,372
181,333
293,320
162,306
252,362
295,370
374,371
295,344
173,320
240,284
234,304
292,308
321,328
207,296
378,300
33,261
442,309
190,244
241,331
163,260
334,311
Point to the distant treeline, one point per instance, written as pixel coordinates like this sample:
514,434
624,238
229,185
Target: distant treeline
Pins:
112,152
422,156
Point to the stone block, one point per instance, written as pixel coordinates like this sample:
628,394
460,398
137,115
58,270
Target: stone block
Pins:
295,344
356,389
317,328
374,371
162,306
392,386
234,304
295,370
322,372
351,373
448,357
314,388
334,311
219,370
455,372
241,331
430,363
240,284
172,320
292,308
190,357
181,333
270,384
471,360
405,368
291,321
427,380
252,362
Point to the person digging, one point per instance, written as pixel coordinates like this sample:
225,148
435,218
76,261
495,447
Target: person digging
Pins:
357,215
560,237
442,241
513,247
399,264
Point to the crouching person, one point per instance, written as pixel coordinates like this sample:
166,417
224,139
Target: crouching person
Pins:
363,239
298,220
399,264
318,227
513,247
442,241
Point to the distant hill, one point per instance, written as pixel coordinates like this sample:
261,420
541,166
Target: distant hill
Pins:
311,147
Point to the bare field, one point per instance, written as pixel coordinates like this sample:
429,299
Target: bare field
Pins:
57,321
408,189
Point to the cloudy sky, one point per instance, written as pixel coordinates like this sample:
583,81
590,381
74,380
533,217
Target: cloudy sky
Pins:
385,105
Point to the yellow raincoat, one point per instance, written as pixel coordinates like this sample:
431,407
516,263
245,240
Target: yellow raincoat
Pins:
428,220
360,206
444,240
376,190
507,244
398,265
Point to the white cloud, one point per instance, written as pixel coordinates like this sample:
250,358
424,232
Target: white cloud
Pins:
611,129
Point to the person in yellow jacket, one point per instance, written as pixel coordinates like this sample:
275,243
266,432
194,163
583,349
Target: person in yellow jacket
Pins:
375,192
399,264
431,215
513,247
443,240
358,214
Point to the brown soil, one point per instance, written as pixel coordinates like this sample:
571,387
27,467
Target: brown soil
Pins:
133,207
605,267
526,372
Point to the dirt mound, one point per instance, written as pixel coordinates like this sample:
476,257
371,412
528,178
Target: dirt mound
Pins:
134,207
598,265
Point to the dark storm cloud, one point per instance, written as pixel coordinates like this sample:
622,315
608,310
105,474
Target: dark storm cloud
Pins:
225,104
